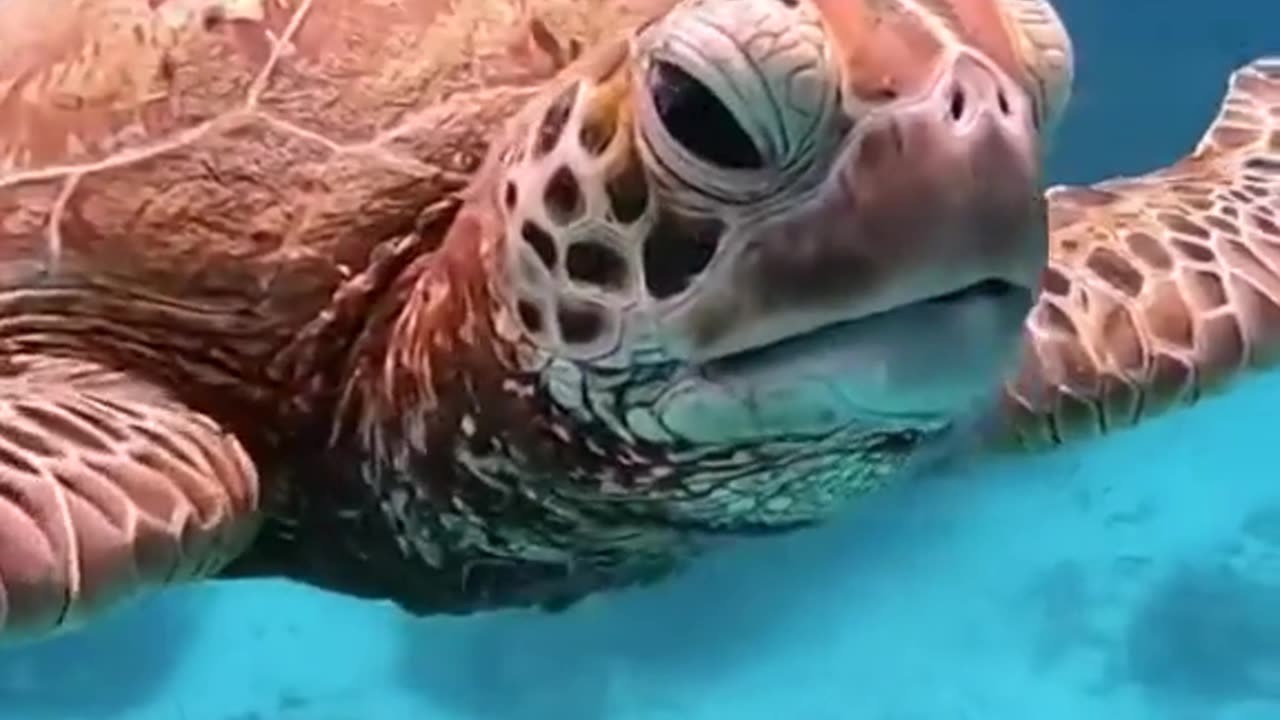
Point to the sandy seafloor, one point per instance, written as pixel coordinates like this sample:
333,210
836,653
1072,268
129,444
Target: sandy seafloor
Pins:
1135,578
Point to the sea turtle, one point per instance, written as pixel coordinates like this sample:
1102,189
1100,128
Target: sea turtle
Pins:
495,303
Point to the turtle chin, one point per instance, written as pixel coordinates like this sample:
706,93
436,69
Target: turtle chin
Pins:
920,366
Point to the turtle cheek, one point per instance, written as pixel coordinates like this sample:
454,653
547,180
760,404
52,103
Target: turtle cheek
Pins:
568,217
561,292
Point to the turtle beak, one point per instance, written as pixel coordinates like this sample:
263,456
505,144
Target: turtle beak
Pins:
946,157
955,176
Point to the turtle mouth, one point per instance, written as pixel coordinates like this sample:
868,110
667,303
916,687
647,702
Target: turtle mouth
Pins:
993,288
926,358
991,291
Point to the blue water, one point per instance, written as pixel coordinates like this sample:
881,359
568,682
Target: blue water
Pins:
1136,578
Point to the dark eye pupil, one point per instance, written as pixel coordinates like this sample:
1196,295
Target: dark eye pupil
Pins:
697,119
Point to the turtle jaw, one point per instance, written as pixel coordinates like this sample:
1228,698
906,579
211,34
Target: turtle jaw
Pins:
928,359
921,366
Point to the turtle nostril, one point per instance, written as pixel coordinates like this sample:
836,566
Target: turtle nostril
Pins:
958,103
1002,101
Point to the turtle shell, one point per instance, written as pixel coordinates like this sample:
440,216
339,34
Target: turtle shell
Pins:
207,175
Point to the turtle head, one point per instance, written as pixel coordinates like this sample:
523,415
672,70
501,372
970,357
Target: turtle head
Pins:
764,219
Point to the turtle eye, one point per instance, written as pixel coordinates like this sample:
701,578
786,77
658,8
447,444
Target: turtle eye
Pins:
696,118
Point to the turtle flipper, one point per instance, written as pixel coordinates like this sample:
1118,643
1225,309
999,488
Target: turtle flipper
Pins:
1162,289
108,488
